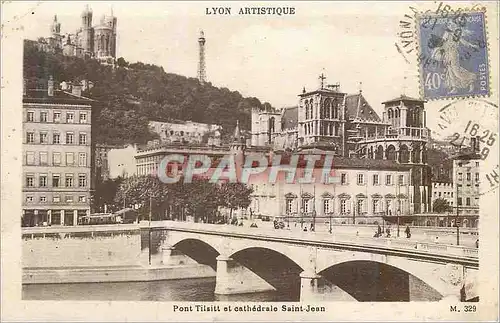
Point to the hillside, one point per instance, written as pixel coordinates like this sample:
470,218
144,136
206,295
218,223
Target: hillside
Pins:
132,94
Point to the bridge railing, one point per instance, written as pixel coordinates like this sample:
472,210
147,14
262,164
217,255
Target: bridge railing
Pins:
394,243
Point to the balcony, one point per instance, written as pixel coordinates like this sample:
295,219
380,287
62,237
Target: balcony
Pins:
404,132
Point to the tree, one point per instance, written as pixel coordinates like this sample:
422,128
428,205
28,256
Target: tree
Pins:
234,196
201,199
140,191
121,62
440,205
105,193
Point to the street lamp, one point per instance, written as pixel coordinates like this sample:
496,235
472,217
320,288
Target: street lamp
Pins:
150,212
456,217
397,214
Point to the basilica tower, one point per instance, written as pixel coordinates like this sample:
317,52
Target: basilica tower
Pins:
87,31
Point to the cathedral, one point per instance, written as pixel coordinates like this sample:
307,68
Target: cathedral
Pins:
345,125
98,41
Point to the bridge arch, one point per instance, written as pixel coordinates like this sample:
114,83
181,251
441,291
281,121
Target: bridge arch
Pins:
422,273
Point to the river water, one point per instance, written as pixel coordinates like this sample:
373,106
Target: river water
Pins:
201,289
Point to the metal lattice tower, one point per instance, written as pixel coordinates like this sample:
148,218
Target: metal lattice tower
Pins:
202,76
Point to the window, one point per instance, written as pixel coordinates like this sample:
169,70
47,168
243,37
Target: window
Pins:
468,176
460,176
289,203
376,206
31,116
70,159
44,158
305,205
82,199
360,206
30,137
459,202
44,138
451,194
477,177
343,206
70,117
56,158
29,198
42,180
83,118
82,139
56,199
375,179
43,199
439,194
401,179
30,181
43,116
467,201
69,180
56,138
326,205
477,164
82,180
56,180
57,116
82,159
343,178
69,198
361,179
70,138
30,158
388,180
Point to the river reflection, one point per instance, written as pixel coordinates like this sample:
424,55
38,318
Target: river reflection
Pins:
201,289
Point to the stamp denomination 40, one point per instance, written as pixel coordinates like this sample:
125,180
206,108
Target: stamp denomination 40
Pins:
453,55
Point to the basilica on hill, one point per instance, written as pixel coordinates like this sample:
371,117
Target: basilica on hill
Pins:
94,41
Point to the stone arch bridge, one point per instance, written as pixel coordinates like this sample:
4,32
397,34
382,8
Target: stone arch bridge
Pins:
250,260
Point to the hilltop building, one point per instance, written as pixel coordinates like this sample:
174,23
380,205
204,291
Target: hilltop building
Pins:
93,41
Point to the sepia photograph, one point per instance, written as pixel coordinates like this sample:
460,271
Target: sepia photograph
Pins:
277,158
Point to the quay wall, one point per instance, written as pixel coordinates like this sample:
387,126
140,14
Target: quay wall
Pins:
81,246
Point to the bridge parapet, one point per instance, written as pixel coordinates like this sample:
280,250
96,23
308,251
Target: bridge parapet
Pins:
310,238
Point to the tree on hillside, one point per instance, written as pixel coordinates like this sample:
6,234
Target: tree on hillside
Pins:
127,98
440,205
234,196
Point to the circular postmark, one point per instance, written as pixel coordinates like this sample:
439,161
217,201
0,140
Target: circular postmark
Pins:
471,127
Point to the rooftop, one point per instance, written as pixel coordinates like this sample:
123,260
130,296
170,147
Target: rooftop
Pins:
358,108
403,98
59,97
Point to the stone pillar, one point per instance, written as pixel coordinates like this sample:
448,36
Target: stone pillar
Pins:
62,217
49,217
309,286
232,278
75,217
404,111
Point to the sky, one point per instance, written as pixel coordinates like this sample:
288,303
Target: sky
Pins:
269,57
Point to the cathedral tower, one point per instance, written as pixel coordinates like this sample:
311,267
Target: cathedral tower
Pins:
201,63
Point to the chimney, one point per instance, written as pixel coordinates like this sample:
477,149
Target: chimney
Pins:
50,86
76,89
475,144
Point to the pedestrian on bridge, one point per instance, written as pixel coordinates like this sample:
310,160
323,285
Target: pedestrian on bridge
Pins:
407,231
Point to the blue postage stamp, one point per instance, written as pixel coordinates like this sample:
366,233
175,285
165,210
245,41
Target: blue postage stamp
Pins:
453,55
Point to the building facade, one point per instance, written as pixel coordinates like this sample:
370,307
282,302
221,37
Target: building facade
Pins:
444,190
57,156
466,176
328,119
96,41
187,132
367,191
